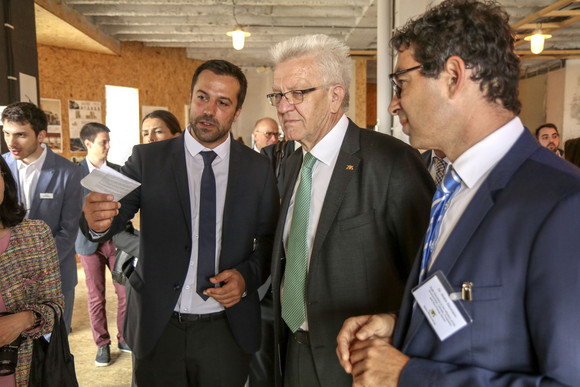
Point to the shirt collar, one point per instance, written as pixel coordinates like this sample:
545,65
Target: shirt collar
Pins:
194,147
328,147
478,160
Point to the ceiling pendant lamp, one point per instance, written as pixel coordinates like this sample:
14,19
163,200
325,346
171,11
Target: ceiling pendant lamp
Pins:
537,41
238,37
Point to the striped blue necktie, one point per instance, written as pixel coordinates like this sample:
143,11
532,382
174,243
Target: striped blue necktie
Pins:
451,182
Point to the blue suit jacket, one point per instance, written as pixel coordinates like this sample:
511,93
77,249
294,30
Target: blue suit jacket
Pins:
250,213
62,179
518,243
84,246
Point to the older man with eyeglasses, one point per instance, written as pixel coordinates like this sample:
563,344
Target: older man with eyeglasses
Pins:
354,210
265,133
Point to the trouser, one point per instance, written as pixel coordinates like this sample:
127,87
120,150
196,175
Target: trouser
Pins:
94,266
262,365
299,370
198,353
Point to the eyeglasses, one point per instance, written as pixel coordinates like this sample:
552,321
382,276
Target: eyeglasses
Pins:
397,89
269,134
294,97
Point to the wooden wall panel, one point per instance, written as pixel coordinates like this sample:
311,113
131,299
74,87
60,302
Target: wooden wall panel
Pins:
162,75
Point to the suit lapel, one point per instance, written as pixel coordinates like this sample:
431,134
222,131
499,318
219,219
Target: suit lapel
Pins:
44,178
180,177
236,167
346,167
474,215
13,166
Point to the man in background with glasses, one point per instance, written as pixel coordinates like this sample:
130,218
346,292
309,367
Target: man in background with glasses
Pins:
354,210
493,297
265,133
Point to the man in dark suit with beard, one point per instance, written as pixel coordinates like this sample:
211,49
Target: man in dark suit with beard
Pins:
208,211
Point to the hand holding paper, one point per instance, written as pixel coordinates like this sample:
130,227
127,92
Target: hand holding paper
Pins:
102,205
107,180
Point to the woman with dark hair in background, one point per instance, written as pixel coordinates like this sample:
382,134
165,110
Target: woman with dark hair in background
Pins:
159,125
30,289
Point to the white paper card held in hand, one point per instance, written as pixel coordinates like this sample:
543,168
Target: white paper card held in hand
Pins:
109,181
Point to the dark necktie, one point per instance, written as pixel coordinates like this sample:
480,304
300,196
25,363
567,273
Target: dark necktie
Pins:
207,222
440,166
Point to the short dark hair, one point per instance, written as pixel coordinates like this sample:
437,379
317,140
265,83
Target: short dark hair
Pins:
546,125
169,119
478,32
26,113
91,130
223,67
11,211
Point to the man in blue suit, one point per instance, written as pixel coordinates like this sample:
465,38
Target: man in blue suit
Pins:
48,185
507,246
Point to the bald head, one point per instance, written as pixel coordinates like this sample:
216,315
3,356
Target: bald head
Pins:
265,132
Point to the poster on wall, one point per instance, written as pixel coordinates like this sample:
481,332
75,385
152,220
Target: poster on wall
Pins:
52,109
80,113
28,89
148,109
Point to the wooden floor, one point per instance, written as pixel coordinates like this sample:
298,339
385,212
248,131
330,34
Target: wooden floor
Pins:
84,349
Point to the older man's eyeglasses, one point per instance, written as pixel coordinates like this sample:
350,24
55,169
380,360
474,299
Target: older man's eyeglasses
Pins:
397,89
294,97
269,134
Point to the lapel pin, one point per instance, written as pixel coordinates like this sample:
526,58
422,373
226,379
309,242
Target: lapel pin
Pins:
349,168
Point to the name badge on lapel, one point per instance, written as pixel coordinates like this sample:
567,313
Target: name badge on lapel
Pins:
46,195
438,303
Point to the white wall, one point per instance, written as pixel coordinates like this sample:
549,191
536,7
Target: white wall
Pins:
533,98
555,98
256,105
571,121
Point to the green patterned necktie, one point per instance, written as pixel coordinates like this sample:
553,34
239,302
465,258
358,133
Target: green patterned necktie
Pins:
293,311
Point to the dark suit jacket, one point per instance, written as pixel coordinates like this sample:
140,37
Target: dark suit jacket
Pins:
373,219
57,201
518,243
83,245
250,213
278,154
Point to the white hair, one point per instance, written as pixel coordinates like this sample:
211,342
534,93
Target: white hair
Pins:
330,54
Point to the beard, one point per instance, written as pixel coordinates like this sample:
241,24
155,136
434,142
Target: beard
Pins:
205,134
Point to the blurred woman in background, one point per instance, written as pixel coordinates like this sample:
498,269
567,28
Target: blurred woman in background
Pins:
30,291
159,125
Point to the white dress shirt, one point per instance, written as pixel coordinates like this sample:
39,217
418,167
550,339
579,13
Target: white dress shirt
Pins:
473,167
189,301
326,153
28,178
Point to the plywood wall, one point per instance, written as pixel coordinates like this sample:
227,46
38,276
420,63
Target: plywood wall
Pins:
162,75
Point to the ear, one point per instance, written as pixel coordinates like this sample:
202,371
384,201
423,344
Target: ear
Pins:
86,144
457,75
337,94
41,135
237,114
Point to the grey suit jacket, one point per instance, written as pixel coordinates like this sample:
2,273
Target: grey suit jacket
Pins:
373,219
250,213
60,179
84,246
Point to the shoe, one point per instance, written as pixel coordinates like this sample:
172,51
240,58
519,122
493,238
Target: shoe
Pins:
124,347
103,356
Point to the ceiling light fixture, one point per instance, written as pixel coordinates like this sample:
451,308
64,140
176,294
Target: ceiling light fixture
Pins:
238,37
238,34
537,41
